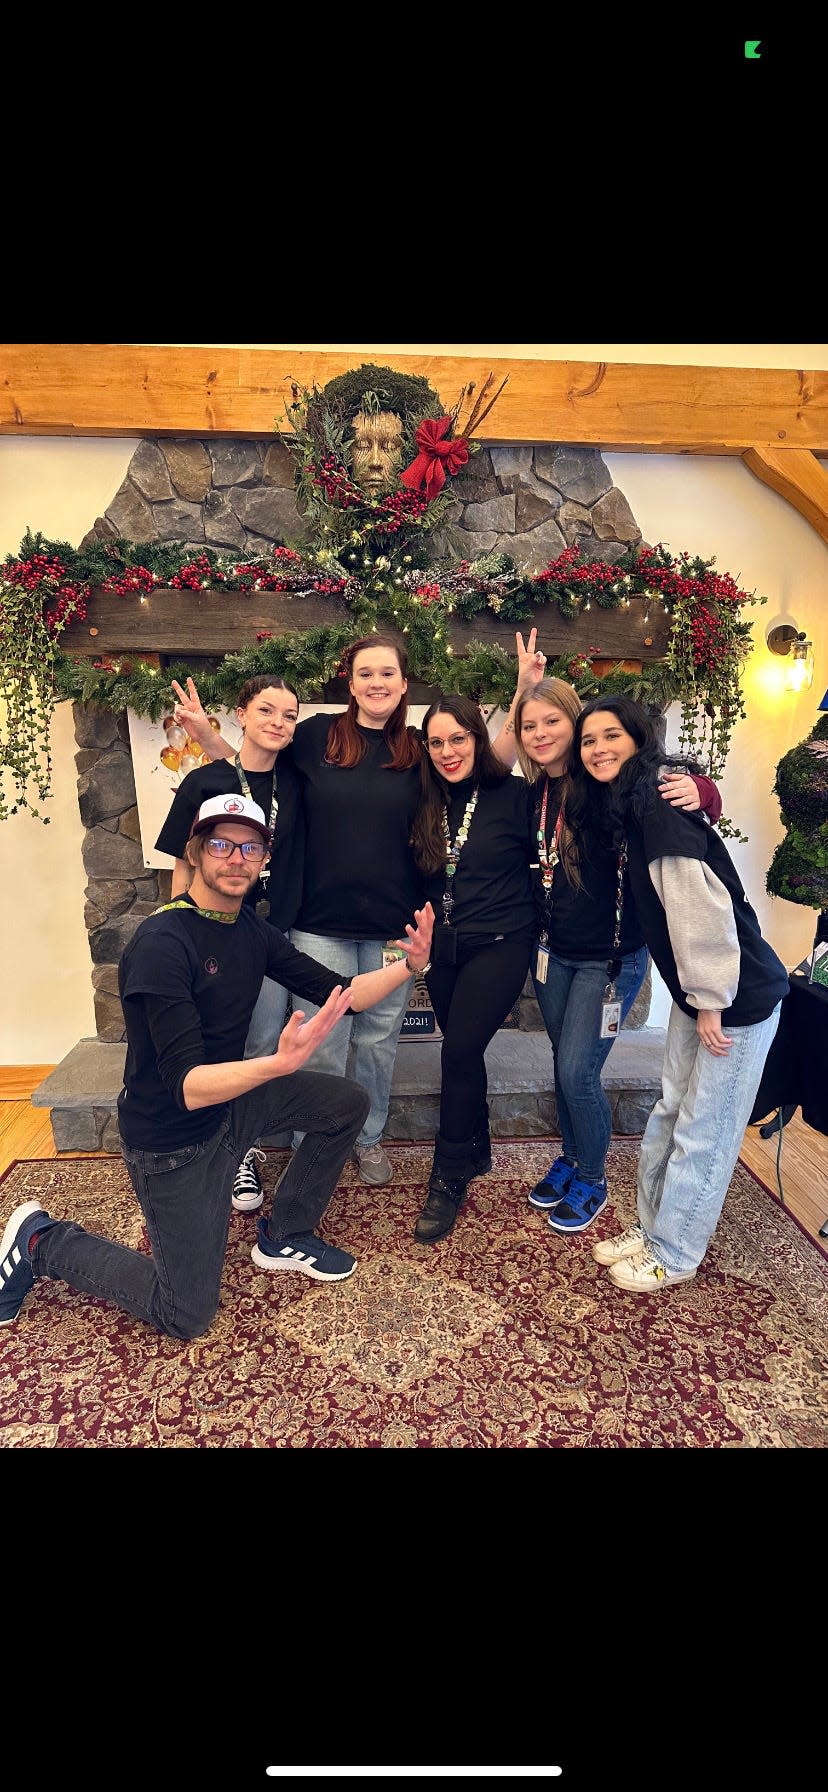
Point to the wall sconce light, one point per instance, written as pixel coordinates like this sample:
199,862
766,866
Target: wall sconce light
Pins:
799,675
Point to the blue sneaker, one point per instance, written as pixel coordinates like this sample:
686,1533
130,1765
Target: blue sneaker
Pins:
555,1183
581,1205
305,1252
16,1273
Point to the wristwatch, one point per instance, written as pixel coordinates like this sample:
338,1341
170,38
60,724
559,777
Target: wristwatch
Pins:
414,972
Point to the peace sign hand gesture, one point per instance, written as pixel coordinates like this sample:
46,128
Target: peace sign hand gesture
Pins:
192,715
531,662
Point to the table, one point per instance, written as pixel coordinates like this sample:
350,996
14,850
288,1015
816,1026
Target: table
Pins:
796,1067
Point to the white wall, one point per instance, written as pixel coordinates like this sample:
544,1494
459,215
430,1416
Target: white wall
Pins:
707,506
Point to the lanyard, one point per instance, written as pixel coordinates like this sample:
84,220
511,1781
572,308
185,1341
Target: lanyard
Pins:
210,914
548,856
274,809
454,851
614,963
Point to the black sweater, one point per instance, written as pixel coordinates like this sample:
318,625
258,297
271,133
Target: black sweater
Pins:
491,886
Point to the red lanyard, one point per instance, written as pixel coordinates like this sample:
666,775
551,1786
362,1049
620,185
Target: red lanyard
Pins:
548,857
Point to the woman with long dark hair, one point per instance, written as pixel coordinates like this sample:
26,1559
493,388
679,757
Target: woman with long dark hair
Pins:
472,843
588,946
726,982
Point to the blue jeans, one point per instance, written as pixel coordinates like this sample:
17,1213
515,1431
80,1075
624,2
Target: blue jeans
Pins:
694,1135
268,1017
185,1199
371,1036
570,1003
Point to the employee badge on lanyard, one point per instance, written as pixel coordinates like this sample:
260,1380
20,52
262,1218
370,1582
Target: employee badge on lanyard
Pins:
610,1007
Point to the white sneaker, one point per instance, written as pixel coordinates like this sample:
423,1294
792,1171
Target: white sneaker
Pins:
374,1165
643,1274
626,1244
248,1192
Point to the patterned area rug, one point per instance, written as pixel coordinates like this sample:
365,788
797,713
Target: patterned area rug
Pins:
504,1335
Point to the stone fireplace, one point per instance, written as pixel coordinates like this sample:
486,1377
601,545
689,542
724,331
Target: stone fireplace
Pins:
237,497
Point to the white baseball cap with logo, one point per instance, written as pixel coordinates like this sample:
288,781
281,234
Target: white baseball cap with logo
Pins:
232,807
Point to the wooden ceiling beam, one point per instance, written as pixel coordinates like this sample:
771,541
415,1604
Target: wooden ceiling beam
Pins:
798,477
128,389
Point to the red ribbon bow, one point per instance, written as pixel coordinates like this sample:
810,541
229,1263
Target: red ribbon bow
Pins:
436,458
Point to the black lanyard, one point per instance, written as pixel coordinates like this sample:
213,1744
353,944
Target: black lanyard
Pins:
274,810
614,963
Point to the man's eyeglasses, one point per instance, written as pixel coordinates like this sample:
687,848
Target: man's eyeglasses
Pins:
454,740
224,849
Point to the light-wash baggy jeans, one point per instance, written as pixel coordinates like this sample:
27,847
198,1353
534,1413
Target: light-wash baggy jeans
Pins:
371,1036
185,1200
694,1135
268,1017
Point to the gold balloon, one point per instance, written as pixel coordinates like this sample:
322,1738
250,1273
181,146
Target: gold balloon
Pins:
177,737
170,759
188,762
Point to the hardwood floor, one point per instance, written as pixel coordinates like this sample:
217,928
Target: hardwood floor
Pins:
802,1164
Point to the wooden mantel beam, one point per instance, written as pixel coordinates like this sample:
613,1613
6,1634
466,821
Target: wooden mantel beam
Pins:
126,389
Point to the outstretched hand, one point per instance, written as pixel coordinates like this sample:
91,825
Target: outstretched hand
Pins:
531,662
299,1038
418,943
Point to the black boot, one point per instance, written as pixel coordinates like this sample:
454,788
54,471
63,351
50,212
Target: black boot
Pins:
451,1173
482,1146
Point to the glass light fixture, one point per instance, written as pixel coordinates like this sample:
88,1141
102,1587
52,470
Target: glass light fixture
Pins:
799,674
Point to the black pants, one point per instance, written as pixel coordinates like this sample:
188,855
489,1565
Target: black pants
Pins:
471,999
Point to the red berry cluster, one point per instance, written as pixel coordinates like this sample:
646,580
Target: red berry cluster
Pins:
336,483
428,594
709,638
192,576
71,601
41,569
135,578
400,507
569,569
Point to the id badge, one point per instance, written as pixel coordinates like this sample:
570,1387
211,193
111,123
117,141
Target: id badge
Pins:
542,964
444,945
610,1019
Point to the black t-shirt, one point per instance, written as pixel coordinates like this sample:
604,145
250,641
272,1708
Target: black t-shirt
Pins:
664,832
284,885
361,882
492,885
188,986
581,923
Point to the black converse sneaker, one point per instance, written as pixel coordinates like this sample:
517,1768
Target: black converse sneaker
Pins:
248,1193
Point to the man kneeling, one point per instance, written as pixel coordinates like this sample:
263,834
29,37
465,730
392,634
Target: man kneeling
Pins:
192,1104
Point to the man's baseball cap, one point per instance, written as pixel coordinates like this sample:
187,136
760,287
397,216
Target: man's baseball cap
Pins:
230,808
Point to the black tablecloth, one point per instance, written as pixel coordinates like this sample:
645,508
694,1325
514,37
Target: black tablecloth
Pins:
796,1067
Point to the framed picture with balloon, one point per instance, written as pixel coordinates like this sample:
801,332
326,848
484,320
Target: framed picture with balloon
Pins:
162,755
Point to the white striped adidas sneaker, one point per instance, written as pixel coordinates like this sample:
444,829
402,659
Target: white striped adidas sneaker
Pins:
305,1252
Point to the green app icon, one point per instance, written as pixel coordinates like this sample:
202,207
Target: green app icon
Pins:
752,49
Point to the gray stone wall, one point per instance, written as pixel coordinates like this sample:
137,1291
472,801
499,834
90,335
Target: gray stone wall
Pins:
238,498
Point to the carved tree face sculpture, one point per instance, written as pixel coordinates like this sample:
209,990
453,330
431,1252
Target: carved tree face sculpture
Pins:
376,450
